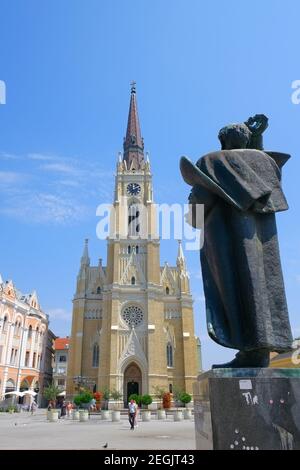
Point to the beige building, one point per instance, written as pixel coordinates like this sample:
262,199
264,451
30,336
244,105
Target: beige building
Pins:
60,366
133,322
24,338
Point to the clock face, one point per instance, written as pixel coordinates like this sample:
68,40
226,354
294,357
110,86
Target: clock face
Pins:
133,189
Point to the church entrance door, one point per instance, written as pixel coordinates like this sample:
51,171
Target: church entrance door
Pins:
132,381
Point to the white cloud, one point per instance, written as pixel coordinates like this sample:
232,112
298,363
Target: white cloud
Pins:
44,208
10,177
43,157
49,193
59,168
59,314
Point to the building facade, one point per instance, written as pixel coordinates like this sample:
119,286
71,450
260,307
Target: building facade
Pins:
133,322
60,367
23,341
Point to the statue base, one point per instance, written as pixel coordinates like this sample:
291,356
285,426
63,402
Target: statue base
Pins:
247,409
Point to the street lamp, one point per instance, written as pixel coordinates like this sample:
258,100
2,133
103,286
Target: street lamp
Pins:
82,381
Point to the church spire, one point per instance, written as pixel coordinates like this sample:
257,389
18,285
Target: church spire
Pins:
133,142
180,257
85,259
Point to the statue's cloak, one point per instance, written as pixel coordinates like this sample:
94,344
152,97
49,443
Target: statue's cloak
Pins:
246,305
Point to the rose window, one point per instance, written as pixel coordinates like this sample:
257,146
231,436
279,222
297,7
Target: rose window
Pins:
133,315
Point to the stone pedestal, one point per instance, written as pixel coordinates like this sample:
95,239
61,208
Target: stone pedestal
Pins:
248,409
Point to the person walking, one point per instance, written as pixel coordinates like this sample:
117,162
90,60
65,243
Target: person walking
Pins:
63,409
132,407
69,409
33,407
136,415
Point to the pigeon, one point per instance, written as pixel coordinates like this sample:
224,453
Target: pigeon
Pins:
105,445
16,424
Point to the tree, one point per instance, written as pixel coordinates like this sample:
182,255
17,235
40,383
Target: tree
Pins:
146,400
115,394
137,398
167,400
159,392
50,392
185,398
106,395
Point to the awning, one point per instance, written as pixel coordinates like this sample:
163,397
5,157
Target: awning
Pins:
29,392
62,394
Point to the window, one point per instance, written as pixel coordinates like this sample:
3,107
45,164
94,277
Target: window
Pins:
167,290
27,359
62,358
5,324
61,382
129,249
12,356
36,335
133,281
169,355
96,355
61,370
132,315
137,250
170,388
30,332
33,360
98,290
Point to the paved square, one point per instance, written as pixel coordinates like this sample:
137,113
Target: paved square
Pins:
23,431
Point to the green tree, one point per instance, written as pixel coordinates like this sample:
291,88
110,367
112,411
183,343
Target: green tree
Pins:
185,398
115,394
137,398
146,400
50,392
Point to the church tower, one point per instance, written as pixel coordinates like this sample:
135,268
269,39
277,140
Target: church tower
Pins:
133,323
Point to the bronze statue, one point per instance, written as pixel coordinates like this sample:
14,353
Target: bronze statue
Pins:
240,187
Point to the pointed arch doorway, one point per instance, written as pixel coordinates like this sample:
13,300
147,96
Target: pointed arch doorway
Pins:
132,381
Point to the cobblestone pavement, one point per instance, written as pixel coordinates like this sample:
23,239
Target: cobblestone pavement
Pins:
23,431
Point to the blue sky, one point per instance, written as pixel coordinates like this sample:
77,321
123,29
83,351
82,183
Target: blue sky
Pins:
67,68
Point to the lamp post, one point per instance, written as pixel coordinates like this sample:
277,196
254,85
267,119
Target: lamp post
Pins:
82,381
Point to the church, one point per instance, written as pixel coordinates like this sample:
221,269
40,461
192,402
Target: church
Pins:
133,320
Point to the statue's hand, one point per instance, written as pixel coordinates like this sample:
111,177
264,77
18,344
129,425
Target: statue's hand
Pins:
257,124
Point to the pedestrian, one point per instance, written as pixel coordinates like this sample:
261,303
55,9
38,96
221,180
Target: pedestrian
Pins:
132,413
33,407
69,409
63,411
93,405
136,415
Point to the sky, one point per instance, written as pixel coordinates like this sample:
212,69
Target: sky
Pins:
67,67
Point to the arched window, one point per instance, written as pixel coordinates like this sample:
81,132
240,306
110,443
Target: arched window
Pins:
29,332
129,249
98,290
36,335
167,290
96,355
169,355
5,324
170,388
133,281
137,249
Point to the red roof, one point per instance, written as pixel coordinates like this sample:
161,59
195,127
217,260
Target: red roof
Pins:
62,343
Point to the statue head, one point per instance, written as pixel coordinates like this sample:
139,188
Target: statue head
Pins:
235,136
